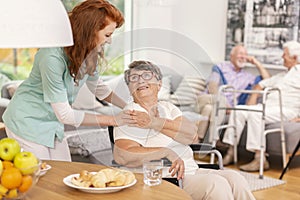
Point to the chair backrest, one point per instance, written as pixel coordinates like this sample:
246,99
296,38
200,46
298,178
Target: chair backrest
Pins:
111,136
12,86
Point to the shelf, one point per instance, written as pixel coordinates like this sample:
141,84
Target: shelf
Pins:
269,66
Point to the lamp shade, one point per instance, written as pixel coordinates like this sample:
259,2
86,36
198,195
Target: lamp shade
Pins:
33,24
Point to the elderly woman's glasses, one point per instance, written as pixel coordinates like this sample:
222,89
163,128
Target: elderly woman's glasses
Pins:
136,77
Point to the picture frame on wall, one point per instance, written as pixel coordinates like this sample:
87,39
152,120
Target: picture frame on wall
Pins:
267,25
235,24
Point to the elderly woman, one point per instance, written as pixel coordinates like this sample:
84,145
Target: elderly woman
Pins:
160,131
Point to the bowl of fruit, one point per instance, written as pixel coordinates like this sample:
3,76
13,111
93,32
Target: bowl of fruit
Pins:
19,171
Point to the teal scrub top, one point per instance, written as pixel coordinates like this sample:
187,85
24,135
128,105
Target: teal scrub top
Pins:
29,114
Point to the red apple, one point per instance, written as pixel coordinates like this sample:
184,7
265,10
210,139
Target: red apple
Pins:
9,148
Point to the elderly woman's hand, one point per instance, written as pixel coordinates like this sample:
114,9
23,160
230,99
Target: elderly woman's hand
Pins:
177,168
142,119
145,120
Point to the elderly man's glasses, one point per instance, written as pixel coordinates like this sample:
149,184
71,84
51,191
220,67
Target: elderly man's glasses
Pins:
136,77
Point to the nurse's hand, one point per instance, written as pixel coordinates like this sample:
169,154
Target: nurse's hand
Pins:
125,118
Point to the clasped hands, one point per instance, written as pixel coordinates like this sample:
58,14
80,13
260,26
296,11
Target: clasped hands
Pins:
137,119
150,120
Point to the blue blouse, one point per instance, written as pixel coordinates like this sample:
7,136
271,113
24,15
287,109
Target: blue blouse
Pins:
29,114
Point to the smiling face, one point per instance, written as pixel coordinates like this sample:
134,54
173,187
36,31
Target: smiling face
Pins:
104,35
141,89
238,57
288,60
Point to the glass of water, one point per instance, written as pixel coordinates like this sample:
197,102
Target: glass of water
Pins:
153,172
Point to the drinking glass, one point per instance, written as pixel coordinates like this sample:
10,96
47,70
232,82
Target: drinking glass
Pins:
153,172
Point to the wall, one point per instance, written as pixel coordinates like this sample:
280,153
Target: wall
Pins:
205,23
187,35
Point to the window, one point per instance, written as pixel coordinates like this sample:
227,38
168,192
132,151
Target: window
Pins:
16,63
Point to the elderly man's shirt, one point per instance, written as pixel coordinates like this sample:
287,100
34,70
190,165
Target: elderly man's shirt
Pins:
239,80
289,84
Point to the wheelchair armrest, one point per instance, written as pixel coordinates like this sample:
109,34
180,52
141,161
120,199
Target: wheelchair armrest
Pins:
201,147
209,166
205,148
175,181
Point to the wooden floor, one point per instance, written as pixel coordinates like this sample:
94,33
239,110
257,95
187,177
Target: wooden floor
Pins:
290,190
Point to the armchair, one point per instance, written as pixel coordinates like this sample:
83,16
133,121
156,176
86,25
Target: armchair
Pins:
7,91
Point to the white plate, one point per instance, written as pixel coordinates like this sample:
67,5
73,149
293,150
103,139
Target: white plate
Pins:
44,171
67,181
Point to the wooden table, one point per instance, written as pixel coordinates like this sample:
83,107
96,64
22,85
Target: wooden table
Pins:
51,186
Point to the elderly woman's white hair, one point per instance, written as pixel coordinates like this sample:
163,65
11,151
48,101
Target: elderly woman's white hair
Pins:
294,49
142,65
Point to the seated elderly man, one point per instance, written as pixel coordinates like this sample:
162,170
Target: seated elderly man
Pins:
289,84
229,73
161,132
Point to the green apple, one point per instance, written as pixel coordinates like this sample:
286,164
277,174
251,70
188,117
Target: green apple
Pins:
9,148
26,162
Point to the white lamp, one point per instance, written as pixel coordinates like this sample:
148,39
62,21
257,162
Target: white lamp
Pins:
34,23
